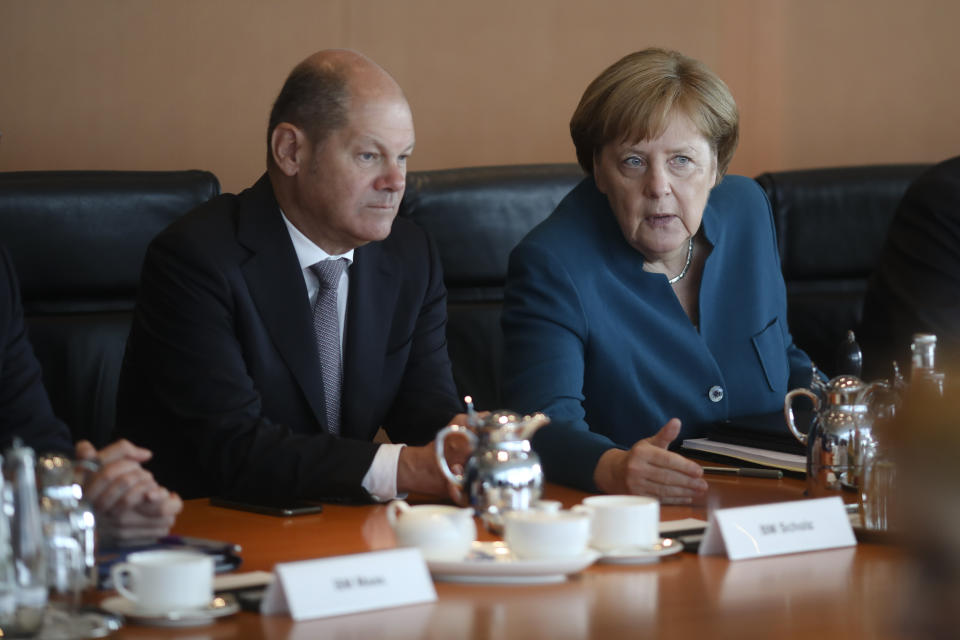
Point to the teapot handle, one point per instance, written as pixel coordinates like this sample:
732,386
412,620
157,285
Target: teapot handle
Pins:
394,509
456,479
788,411
866,396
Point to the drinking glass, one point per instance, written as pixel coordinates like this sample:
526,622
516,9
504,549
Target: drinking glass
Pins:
68,530
27,558
877,492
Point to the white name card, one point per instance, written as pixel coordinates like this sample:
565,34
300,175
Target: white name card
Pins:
782,527
348,584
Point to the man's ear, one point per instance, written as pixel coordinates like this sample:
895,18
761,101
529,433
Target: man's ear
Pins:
287,145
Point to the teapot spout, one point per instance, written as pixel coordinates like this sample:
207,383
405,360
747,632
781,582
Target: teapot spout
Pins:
531,423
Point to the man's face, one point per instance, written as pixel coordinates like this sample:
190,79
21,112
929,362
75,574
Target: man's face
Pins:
351,183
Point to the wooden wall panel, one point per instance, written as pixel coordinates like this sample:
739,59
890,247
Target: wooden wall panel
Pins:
172,84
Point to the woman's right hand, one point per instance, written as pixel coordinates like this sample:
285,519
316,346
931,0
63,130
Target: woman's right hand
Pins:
649,469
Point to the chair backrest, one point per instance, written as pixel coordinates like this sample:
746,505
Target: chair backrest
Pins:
477,215
77,239
831,225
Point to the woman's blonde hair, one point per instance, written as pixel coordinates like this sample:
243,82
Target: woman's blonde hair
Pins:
635,98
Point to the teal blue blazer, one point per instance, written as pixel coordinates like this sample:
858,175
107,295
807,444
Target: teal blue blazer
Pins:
605,349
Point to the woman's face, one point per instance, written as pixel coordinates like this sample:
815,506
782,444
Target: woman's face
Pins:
658,188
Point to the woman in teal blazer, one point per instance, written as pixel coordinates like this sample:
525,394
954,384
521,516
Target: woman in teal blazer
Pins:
651,302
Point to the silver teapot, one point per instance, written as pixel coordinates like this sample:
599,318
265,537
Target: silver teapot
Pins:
841,430
503,472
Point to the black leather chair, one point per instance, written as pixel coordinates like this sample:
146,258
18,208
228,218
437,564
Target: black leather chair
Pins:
477,215
78,239
831,224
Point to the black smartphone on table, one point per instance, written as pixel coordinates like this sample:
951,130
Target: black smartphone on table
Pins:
282,509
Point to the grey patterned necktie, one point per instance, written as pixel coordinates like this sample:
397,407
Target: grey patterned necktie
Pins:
326,329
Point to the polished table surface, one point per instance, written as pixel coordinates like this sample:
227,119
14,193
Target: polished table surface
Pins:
844,593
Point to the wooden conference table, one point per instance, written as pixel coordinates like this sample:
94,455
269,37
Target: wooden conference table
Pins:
845,593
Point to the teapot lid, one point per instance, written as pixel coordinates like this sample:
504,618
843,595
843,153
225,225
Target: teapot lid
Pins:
844,390
509,425
55,469
500,418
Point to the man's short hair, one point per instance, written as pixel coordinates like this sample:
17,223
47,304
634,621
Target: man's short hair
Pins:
314,98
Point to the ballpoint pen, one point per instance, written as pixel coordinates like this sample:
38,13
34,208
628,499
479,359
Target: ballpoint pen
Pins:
744,472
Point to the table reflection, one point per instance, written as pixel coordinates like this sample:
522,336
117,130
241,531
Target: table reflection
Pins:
841,593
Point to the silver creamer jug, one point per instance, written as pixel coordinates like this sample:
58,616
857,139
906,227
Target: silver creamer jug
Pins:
840,430
503,472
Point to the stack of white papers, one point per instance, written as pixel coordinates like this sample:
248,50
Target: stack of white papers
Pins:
765,457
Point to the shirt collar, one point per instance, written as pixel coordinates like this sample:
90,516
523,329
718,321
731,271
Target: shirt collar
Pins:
307,252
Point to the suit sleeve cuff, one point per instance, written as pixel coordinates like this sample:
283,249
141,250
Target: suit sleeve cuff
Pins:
380,480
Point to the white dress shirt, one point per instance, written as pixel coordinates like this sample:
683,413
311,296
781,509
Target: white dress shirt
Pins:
380,480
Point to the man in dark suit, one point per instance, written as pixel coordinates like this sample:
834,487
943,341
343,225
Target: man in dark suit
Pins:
916,287
128,502
229,375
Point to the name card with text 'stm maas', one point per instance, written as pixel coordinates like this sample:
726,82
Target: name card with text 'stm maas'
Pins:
348,584
774,529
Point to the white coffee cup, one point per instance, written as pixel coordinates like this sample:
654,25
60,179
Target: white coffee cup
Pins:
165,580
620,522
550,506
442,533
543,535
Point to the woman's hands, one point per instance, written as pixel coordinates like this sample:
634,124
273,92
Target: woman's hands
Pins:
647,468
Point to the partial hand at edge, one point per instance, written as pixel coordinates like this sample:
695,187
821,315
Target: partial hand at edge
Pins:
148,519
121,483
122,449
648,468
127,500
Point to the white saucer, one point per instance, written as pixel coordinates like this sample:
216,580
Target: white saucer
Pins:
219,607
492,563
59,624
642,555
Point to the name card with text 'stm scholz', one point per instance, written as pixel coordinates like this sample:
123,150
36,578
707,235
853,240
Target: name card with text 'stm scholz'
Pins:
348,584
774,529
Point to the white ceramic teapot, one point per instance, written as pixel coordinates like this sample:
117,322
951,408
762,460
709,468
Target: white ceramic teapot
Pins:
442,533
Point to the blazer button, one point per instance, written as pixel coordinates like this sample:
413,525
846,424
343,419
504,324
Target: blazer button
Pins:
715,393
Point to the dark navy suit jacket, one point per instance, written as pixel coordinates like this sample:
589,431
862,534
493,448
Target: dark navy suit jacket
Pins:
25,409
221,377
916,287
606,350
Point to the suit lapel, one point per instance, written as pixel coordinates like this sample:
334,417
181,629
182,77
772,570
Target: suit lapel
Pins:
374,287
275,282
